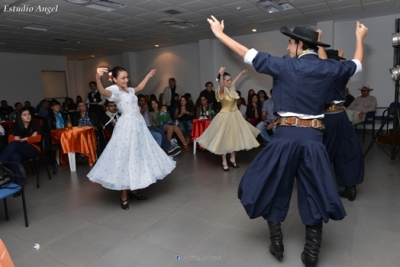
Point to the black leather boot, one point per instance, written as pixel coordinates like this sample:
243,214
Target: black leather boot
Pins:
349,192
313,243
276,247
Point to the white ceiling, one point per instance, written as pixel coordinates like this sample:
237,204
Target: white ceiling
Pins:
84,31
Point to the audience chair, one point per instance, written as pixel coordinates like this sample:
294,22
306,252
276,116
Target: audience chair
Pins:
369,119
387,115
41,155
5,258
13,188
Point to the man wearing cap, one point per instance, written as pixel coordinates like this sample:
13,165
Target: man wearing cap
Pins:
340,139
301,87
361,105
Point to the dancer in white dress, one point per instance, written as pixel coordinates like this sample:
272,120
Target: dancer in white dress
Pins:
132,159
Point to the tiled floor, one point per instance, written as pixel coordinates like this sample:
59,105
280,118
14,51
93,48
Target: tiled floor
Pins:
194,213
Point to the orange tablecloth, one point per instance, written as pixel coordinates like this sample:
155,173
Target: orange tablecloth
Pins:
78,139
199,126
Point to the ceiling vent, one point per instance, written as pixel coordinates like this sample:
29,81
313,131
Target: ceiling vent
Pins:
105,5
79,2
39,27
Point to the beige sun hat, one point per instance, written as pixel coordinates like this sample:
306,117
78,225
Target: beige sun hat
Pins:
366,87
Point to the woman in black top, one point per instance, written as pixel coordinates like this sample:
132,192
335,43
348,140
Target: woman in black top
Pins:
253,112
185,113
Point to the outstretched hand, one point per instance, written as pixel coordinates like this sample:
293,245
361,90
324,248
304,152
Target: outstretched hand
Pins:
245,71
216,26
319,35
222,70
152,73
361,30
100,72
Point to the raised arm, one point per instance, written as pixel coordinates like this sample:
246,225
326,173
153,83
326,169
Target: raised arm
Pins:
245,71
321,51
218,28
143,83
361,32
100,88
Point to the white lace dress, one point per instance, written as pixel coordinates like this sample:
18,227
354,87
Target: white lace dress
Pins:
132,159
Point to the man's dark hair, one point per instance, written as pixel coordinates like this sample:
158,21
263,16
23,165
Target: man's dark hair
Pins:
77,103
172,80
54,102
92,82
307,46
141,96
15,105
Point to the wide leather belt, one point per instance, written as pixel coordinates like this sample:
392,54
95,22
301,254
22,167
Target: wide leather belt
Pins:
334,107
296,122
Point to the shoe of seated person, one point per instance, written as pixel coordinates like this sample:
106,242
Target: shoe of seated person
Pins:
174,151
174,142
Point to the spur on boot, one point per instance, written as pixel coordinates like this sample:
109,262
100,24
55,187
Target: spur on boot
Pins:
349,192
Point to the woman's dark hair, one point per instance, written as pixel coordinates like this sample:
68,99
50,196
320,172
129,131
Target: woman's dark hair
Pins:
249,110
18,129
265,95
250,96
153,97
78,98
223,76
151,109
207,83
116,70
188,106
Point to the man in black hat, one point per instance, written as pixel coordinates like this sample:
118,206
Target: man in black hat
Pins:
340,139
301,88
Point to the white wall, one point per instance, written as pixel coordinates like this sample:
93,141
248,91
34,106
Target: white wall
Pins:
88,71
21,78
180,62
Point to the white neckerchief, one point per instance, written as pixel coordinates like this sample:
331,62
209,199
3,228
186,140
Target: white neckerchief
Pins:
112,118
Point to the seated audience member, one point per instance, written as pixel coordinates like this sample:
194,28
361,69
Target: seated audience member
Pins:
24,142
349,98
165,144
5,110
110,117
174,104
189,98
361,105
3,141
209,93
30,108
68,105
55,119
17,107
242,108
44,110
87,118
165,123
242,100
266,125
253,112
262,96
185,113
203,108
250,94
78,99
153,97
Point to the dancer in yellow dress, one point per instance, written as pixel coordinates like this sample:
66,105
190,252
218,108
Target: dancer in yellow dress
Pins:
228,131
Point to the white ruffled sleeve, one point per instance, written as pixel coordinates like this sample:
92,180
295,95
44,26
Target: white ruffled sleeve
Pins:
115,93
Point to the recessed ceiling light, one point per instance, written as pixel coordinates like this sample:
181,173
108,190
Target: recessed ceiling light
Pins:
92,55
254,30
79,2
106,5
156,45
39,27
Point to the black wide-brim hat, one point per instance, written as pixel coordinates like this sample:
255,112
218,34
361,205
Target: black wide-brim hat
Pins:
333,54
306,34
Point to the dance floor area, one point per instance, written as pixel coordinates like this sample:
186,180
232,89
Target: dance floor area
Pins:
193,218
